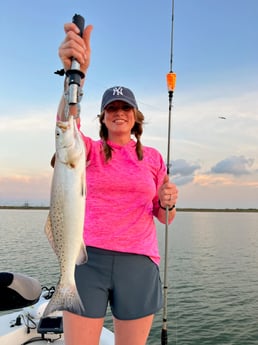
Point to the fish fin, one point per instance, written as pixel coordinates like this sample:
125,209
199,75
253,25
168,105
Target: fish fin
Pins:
82,256
65,298
49,233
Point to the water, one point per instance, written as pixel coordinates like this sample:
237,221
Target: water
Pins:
213,272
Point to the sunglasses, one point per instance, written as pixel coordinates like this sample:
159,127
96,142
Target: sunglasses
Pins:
113,108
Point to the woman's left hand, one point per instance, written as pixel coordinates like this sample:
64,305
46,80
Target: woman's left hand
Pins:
167,193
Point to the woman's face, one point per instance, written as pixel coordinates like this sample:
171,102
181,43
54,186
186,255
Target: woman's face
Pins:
119,118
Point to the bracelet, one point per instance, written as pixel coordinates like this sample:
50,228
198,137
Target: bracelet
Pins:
164,208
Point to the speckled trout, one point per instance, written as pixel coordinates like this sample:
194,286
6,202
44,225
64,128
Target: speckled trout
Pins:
64,226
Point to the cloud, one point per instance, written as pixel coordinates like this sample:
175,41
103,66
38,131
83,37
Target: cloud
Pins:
234,165
182,167
183,172
205,180
25,188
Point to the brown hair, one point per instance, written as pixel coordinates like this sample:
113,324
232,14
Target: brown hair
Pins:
136,130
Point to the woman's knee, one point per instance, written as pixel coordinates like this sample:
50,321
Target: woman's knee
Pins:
133,331
81,330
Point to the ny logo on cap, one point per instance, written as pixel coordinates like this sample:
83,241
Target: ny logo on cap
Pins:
118,91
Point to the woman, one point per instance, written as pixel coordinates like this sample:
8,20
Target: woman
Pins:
127,187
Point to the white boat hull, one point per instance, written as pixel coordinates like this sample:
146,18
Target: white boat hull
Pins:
12,334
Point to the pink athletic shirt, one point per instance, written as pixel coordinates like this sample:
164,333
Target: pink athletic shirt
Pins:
122,198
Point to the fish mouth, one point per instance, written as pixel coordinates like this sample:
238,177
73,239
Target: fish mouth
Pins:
62,125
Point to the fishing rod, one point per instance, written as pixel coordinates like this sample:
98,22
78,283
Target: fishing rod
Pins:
171,83
74,74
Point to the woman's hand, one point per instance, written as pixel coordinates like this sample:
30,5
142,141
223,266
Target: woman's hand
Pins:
75,46
167,193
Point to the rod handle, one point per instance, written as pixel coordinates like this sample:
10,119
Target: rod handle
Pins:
80,22
164,337
75,74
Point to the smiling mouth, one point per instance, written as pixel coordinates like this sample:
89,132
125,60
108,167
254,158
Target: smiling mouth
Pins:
119,121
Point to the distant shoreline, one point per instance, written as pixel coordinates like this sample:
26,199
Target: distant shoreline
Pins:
186,209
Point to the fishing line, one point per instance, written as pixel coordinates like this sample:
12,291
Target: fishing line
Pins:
171,82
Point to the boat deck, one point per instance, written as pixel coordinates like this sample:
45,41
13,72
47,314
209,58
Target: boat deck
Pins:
13,334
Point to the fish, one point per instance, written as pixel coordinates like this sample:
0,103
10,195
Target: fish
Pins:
64,225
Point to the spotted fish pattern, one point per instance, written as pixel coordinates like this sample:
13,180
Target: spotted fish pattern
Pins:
64,225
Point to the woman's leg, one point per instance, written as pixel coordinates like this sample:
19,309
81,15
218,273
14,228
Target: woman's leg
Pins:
133,332
79,330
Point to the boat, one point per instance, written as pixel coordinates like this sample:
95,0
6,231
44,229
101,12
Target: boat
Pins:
22,303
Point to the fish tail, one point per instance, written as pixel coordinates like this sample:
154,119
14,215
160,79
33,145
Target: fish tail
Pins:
65,298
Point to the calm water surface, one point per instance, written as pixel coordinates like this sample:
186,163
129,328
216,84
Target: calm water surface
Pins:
213,272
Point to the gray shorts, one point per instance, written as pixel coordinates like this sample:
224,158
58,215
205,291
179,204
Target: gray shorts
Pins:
130,283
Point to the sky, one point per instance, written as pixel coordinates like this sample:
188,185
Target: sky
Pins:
214,160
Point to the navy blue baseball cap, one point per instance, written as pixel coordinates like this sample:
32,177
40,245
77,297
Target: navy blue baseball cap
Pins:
118,93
